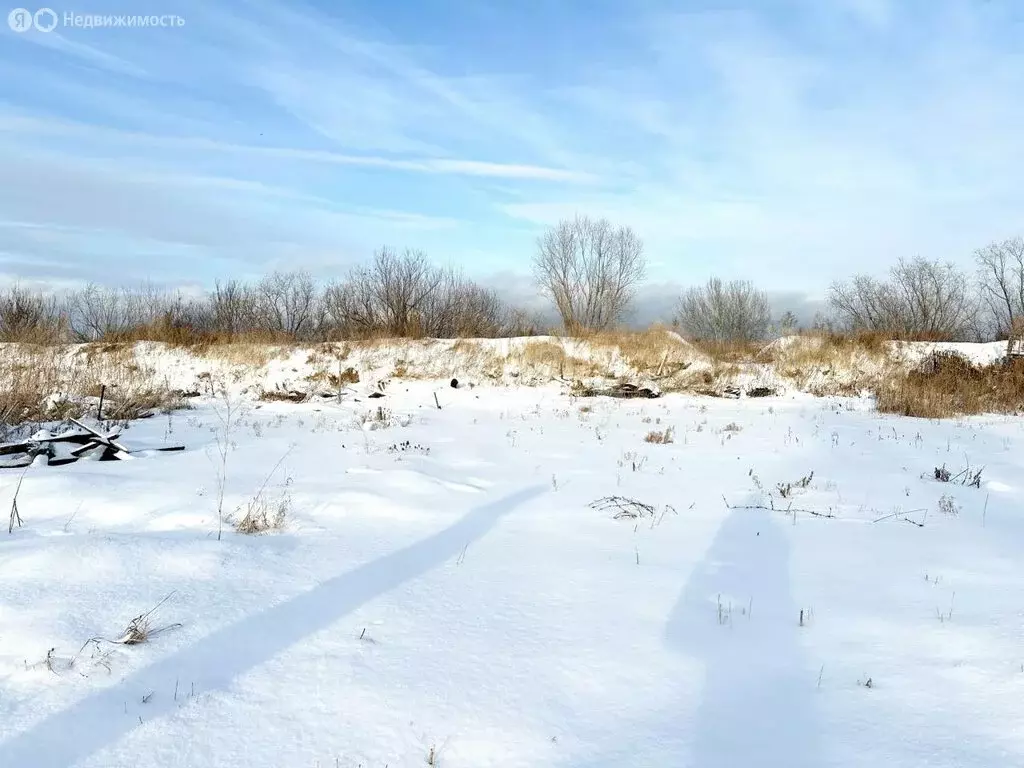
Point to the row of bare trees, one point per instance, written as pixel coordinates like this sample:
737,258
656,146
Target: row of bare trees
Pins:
931,300
394,295
590,271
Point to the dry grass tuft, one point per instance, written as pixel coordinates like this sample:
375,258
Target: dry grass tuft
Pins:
335,380
662,437
948,385
262,515
140,629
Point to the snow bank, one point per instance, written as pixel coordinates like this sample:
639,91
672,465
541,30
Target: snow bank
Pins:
65,376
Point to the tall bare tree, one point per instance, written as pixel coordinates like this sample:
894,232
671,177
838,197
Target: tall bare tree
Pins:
590,270
403,286
287,303
725,312
920,300
458,307
390,295
230,308
97,312
1001,280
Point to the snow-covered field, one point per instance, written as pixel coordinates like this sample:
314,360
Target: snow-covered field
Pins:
442,593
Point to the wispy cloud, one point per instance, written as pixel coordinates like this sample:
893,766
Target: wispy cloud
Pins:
88,54
789,141
32,129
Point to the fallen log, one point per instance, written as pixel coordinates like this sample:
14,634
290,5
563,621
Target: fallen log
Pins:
624,391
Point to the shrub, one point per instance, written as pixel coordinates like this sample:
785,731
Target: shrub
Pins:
948,384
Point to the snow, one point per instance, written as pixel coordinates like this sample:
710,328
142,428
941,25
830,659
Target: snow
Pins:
442,585
987,353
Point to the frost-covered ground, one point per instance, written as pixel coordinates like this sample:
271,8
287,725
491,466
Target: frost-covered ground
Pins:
442,591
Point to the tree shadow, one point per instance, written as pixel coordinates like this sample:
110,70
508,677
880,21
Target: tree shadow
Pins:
212,663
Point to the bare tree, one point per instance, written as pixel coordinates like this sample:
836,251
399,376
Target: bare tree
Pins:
460,308
921,300
98,312
1001,280
725,312
400,295
230,308
390,295
788,323
403,286
590,270
405,295
349,308
286,303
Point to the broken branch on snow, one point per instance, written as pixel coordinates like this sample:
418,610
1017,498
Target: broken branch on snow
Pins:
770,507
625,507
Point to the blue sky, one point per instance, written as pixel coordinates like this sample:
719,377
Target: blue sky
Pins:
791,142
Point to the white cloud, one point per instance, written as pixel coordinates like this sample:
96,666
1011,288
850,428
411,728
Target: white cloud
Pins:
789,149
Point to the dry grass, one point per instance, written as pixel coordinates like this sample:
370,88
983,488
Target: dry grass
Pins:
710,380
832,363
552,358
337,379
141,629
820,363
41,383
729,351
542,353
282,396
262,515
949,385
164,331
652,352
662,437
249,354
822,348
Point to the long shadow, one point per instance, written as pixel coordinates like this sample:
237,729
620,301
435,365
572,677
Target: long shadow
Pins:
756,708
212,663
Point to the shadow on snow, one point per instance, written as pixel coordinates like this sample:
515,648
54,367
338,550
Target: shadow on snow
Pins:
213,662
755,707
